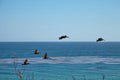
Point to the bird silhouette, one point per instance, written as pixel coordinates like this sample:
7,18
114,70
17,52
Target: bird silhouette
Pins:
63,37
99,39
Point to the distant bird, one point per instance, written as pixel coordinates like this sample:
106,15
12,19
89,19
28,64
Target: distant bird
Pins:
63,37
45,56
99,39
36,52
25,62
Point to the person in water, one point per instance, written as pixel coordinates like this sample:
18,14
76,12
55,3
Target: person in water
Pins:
45,56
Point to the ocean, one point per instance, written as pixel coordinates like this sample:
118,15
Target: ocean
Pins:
66,61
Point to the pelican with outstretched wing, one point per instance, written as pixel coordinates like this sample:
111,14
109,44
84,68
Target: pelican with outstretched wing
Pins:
99,40
63,37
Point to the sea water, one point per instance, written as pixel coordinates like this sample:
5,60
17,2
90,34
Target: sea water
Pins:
66,61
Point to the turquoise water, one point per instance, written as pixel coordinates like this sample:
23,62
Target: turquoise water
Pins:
67,61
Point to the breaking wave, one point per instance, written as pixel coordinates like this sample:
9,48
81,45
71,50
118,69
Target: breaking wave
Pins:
65,60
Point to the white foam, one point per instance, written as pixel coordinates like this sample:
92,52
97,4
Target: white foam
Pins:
65,60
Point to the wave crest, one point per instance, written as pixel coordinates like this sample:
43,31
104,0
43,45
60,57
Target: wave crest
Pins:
65,60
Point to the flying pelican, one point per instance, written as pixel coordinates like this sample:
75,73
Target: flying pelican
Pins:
63,37
99,39
25,62
36,52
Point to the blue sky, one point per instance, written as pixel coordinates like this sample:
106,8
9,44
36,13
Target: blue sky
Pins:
46,20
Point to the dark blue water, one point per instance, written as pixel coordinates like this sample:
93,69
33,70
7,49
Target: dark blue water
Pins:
67,60
26,49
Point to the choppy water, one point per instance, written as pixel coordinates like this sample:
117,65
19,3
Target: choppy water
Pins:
67,60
